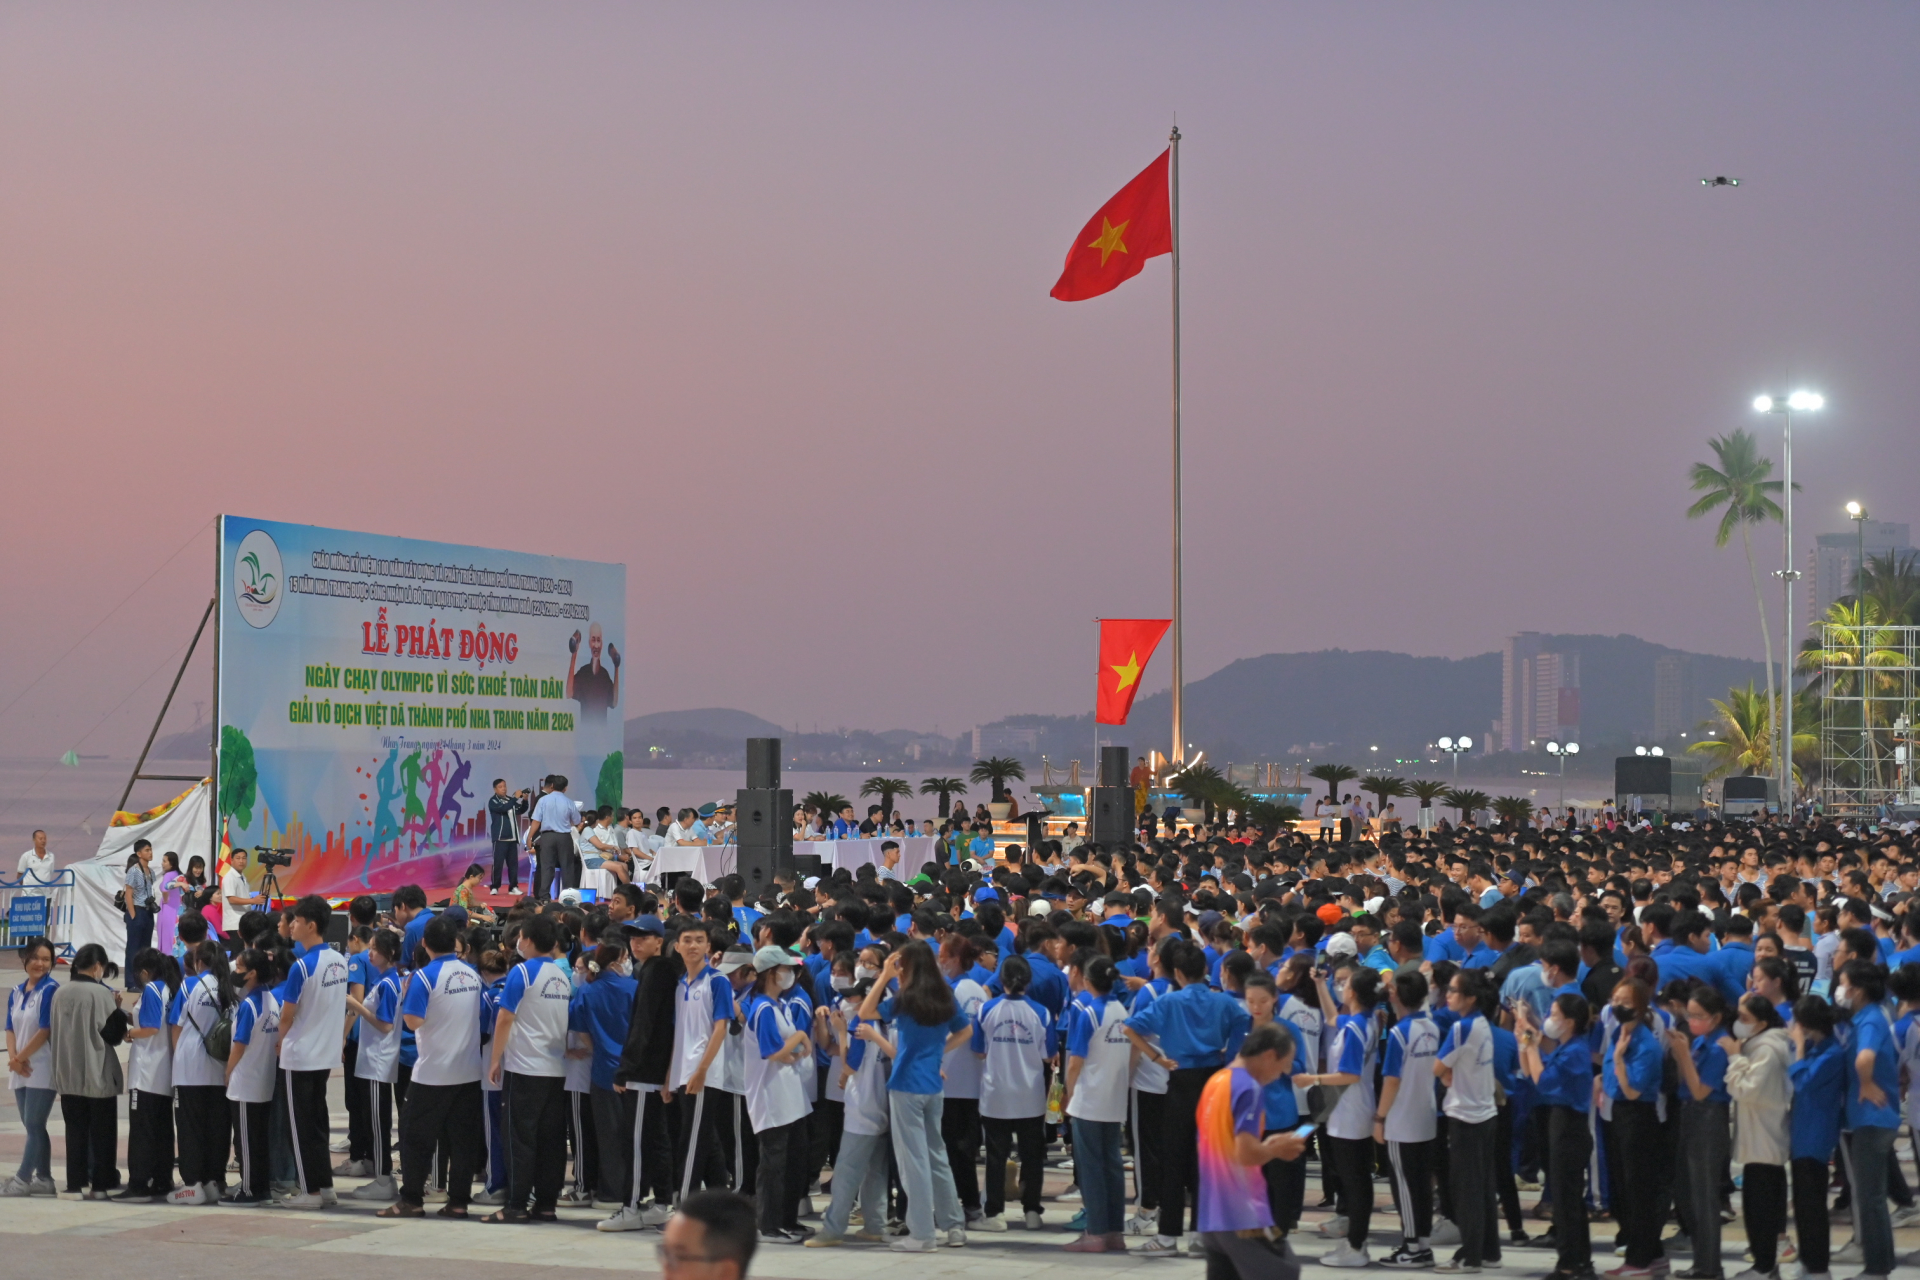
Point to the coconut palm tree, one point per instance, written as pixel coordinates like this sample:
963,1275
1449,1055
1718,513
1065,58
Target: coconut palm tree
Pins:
1467,801
997,770
1892,581
1272,815
1385,788
1843,661
1513,810
1202,785
827,802
1743,734
886,789
946,789
1333,775
1426,791
1739,489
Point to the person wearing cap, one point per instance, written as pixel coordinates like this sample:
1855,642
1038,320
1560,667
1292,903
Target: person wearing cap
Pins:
776,1103
640,1077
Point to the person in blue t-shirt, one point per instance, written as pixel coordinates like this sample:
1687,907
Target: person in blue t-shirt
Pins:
1630,1070
1819,1078
1557,1057
1873,1106
1701,1053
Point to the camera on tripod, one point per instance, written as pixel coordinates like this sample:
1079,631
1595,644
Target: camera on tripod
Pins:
274,857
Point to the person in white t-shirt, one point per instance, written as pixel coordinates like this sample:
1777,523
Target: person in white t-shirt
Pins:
529,1062
250,1074
776,1103
1465,1066
863,1053
442,1006
150,1080
236,895
1099,1066
203,1127
313,1036
1351,1055
30,1066
1013,1035
376,1064
1406,1117
36,869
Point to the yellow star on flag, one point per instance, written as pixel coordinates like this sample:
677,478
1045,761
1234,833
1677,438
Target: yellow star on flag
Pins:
1108,243
1129,671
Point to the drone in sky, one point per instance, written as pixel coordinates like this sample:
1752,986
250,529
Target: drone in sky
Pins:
1721,181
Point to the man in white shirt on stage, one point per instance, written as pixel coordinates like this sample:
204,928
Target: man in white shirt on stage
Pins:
550,832
236,895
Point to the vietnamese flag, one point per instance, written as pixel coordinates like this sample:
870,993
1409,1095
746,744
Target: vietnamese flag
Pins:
1126,646
1111,249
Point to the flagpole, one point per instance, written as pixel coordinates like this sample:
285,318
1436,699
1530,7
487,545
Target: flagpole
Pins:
1179,727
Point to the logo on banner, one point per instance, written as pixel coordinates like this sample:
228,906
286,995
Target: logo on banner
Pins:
257,578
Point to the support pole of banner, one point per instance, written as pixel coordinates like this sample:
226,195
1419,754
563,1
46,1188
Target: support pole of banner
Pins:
213,800
153,733
1173,203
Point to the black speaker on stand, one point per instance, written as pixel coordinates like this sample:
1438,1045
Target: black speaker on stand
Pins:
764,813
1112,811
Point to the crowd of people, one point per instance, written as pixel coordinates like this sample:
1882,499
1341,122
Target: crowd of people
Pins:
1640,1020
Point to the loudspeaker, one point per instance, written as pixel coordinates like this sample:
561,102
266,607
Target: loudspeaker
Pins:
763,763
765,832
1642,775
1113,815
1113,766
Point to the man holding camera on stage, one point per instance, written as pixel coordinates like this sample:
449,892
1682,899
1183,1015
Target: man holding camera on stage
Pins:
236,895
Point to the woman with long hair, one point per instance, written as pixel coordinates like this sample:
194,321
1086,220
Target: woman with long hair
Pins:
928,1023
30,1066
1759,1080
169,900
1630,1069
1556,1056
86,1026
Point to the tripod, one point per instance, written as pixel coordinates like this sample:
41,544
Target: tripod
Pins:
269,882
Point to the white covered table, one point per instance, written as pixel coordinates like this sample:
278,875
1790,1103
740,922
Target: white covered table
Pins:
915,851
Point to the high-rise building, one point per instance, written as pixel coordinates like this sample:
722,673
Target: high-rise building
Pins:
1836,558
1673,695
1539,694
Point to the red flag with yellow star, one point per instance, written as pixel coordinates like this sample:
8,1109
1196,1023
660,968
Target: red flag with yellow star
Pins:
1126,646
1135,225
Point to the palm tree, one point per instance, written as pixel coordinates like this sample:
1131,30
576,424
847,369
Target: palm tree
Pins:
1427,791
1385,788
1202,784
1513,810
1743,734
996,770
1892,581
827,802
1468,802
1740,490
1333,775
946,789
1272,815
886,789
1856,642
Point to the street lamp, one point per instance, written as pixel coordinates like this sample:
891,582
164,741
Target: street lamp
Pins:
1801,401
1858,514
1562,751
1455,746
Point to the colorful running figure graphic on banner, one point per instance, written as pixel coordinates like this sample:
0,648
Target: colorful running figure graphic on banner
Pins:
384,827
450,797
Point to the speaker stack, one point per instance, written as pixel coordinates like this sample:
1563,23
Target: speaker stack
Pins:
1112,812
764,814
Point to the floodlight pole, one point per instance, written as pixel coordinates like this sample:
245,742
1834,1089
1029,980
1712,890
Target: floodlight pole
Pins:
1173,208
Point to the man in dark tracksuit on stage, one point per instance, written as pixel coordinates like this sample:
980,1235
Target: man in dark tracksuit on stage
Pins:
503,811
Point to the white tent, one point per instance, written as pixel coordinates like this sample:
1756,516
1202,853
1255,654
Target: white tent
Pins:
185,827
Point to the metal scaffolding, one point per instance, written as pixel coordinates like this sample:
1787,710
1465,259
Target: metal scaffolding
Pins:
1868,682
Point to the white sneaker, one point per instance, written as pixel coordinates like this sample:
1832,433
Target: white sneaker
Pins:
490,1197
305,1200
329,1198
353,1169
17,1188
990,1224
626,1218
1035,1220
1751,1274
45,1187
957,1238
1345,1255
338,1145
195,1194
907,1244
1071,1193
1195,1249
1444,1232
1143,1224
1848,1252
1335,1228
380,1190
1159,1247
655,1215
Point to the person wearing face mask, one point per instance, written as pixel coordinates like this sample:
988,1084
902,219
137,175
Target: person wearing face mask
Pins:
1873,1106
960,1114
1818,1076
639,1077
1556,1056
602,1009
1701,1053
1759,1083
776,1103
857,1077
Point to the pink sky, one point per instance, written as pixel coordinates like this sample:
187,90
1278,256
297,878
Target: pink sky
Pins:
754,299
